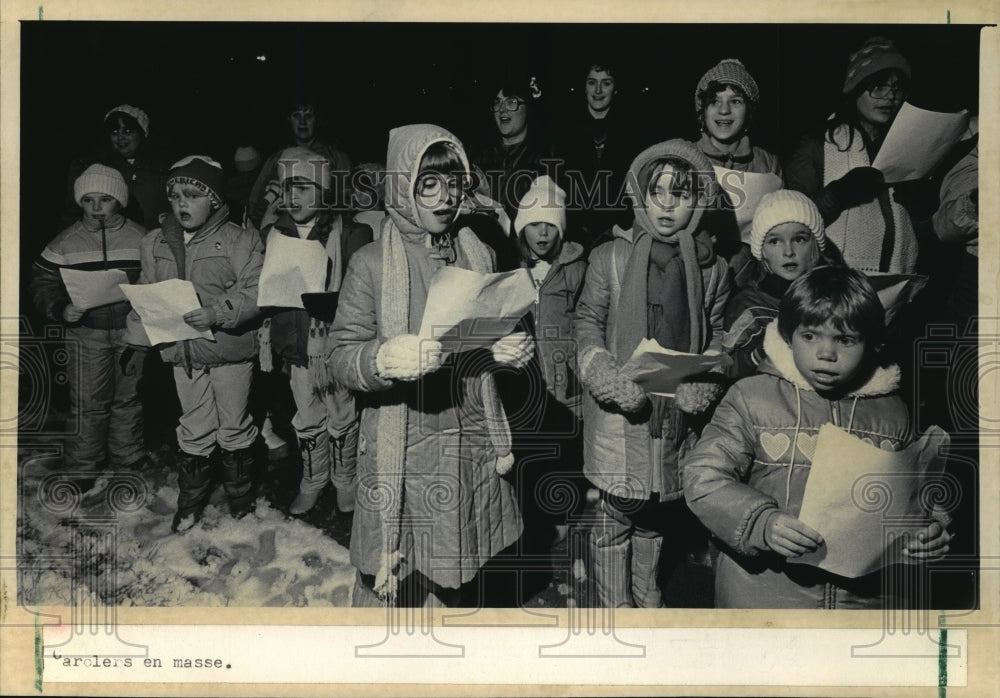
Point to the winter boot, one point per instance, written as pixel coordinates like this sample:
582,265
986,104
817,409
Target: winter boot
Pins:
315,457
611,574
237,480
277,447
345,468
194,480
645,563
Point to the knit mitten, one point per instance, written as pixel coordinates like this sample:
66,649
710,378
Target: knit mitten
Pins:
514,350
406,357
859,186
608,385
628,395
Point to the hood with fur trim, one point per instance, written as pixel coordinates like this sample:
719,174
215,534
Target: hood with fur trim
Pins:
407,145
780,363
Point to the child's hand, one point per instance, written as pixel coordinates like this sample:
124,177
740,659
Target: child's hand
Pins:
514,350
71,313
407,357
786,535
201,319
929,543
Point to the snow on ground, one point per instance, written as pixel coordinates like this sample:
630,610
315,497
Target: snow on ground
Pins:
265,559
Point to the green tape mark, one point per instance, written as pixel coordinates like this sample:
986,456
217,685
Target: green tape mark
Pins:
40,13
942,659
39,657
949,16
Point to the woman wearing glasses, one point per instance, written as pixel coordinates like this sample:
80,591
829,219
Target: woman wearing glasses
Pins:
514,159
870,223
432,506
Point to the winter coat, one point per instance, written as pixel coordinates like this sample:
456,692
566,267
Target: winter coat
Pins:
753,459
290,326
748,313
146,178
86,248
745,158
457,511
510,170
874,237
223,262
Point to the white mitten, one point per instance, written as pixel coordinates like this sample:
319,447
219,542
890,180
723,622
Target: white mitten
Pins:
406,357
514,350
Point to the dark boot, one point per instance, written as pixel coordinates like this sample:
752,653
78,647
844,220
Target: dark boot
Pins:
237,480
194,480
345,469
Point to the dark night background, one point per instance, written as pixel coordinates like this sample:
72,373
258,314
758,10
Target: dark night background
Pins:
206,91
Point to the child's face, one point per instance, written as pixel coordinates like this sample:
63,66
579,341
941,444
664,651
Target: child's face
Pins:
726,116
303,123
126,140
789,250
98,207
302,201
829,358
190,205
511,123
600,87
436,201
880,111
669,210
540,237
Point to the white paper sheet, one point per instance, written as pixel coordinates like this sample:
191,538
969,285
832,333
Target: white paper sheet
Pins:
466,309
659,371
917,141
161,307
895,290
857,493
291,267
745,190
92,289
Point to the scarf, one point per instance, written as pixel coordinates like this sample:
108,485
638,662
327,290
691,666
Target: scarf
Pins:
392,422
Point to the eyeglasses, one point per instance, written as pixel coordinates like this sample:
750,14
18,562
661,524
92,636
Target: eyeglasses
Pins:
506,104
432,185
886,89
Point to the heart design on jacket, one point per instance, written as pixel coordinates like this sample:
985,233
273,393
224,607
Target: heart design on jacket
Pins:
775,445
807,444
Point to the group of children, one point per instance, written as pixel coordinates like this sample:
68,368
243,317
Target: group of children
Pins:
415,438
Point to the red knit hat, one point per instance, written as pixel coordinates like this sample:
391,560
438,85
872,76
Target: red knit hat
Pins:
877,54
200,171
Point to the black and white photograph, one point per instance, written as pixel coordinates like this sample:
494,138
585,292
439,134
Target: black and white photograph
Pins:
530,316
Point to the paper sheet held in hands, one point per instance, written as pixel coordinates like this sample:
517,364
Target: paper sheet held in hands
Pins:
857,493
660,371
471,309
895,290
161,307
291,267
745,190
92,289
917,141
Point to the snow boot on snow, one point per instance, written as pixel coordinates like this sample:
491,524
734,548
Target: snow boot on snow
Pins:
237,480
345,468
314,454
194,482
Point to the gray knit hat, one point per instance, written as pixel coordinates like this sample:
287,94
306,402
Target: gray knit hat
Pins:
785,206
100,179
728,71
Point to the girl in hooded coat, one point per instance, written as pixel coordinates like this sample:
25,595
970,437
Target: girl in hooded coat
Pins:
432,507
659,279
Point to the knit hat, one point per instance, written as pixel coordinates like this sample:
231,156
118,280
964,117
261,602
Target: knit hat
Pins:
301,163
785,206
135,112
246,158
877,54
728,71
200,171
544,202
101,179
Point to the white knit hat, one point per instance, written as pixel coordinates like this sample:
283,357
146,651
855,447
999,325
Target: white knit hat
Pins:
100,179
246,158
141,117
785,206
544,202
301,163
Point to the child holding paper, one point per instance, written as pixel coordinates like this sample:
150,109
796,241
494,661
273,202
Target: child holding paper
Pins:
662,280
326,419
552,420
103,391
198,243
432,505
787,240
746,477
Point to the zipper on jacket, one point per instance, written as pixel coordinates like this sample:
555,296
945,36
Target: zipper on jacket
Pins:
835,412
104,244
